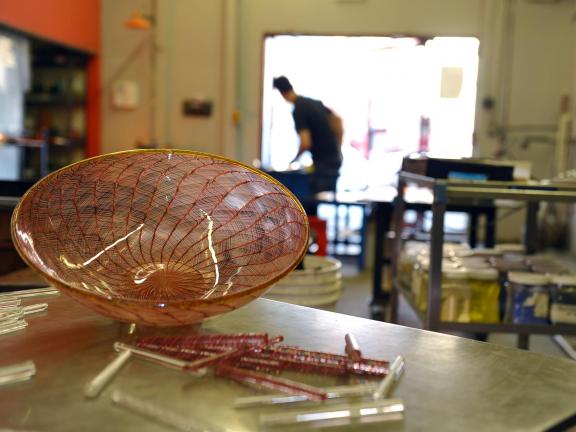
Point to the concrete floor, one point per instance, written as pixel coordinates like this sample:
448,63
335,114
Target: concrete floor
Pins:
357,294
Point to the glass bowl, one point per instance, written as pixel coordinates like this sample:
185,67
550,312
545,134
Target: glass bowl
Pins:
160,237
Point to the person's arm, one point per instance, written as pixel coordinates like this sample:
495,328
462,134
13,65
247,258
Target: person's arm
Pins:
337,126
305,143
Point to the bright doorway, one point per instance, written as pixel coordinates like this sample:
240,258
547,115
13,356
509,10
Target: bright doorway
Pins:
396,95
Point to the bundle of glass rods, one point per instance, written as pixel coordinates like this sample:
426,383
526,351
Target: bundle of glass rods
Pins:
257,359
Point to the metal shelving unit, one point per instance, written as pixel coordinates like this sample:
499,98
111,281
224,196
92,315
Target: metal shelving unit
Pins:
448,192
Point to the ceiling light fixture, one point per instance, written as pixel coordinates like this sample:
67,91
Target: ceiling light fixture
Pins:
138,21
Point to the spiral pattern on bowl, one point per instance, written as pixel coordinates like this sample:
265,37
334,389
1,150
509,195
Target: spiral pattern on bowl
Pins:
160,237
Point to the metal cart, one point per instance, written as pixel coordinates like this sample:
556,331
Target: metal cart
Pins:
467,193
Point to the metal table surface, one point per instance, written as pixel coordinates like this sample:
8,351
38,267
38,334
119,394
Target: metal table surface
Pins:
450,383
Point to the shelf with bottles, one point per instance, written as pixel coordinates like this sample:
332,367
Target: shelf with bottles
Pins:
41,99
484,288
69,123
58,108
56,105
57,86
525,313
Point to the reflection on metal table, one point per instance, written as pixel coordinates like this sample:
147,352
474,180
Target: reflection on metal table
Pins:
450,383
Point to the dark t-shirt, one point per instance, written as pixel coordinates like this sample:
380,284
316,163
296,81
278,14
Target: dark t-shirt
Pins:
311,114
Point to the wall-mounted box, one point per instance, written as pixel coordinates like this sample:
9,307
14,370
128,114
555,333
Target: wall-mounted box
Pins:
197,107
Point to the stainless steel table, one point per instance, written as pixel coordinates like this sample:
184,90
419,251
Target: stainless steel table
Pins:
450,383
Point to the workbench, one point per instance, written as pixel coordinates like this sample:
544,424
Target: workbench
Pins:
450,383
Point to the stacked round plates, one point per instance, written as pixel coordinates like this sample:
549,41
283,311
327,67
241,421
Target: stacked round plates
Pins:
317,285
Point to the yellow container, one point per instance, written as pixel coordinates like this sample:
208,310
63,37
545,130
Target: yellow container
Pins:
419,283
456,295
485,290
421,279
411,253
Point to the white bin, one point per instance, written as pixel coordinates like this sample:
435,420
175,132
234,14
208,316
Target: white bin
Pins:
318,285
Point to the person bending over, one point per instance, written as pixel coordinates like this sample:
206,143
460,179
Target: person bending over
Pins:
320,132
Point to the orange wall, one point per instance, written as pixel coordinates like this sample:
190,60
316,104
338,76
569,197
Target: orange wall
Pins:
71,22
75,23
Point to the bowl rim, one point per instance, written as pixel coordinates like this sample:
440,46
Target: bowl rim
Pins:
190,302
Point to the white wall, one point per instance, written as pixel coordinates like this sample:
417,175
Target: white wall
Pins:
214,49
542,69
257,17
192,54
124,57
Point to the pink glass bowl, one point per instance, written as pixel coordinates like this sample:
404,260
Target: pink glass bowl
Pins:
160,237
